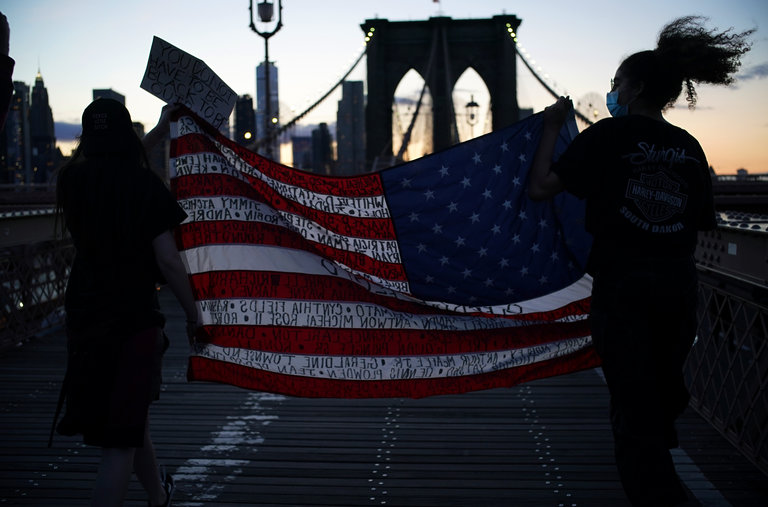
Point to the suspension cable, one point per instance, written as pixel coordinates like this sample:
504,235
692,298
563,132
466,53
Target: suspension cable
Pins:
513,39
291,123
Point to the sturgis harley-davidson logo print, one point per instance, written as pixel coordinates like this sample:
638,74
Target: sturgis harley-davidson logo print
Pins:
656,196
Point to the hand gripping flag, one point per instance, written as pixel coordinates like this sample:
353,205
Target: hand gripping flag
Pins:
436,276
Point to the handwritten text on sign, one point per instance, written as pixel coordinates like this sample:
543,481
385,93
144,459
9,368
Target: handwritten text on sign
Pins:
174,75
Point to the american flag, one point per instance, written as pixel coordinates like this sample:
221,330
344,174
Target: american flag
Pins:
436,276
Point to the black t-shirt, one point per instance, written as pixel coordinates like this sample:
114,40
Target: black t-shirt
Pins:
647,185
113,280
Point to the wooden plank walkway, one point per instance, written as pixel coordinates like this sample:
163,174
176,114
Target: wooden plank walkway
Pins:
545,443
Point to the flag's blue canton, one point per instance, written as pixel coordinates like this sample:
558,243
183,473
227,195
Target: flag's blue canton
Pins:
467,230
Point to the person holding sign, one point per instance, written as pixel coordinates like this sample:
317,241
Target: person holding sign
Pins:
648,191
120,216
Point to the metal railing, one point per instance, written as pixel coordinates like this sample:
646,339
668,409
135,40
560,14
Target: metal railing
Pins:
727,369
33,278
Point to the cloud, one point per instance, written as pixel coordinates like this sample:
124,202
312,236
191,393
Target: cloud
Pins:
66,131
758,71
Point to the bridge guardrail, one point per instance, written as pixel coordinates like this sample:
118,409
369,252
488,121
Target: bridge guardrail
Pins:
727,369
33,278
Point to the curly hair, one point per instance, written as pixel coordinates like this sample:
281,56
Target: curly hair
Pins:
686,53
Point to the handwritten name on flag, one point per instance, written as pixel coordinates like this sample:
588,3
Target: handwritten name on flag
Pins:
433,277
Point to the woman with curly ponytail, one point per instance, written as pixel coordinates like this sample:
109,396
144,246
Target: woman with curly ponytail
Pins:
648,192
686,53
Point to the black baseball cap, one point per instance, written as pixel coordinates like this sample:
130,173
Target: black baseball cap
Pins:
107,127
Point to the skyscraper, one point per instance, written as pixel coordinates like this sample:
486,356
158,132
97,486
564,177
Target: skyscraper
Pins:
108,93
261,105
350,129
322,152
17,155
44,153
245,121
302,152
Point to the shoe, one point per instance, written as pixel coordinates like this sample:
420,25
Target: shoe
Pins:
168,486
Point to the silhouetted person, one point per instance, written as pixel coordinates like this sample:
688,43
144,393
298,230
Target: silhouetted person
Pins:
648,191
120,216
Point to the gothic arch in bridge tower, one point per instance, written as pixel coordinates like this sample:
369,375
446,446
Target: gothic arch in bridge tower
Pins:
440,50
470,87
412,97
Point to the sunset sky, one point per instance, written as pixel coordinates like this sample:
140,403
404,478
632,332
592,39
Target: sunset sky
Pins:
80,45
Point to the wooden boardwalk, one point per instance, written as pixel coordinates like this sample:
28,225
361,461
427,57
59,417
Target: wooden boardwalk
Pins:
545,443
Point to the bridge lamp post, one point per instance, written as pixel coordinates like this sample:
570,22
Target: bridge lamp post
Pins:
472,117
266,12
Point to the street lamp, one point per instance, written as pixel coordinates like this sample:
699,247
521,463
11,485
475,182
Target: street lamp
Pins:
266,11
472,117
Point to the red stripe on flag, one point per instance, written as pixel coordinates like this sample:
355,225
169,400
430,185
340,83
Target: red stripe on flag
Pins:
388,342
211,185
294,286
191,186
356,186
355,226
217,371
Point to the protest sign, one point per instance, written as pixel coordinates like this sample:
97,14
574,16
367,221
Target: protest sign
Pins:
174,75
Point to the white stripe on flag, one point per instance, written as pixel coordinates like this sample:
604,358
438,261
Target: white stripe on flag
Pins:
344,315
243,209
391,367
578,290
223,207
233,257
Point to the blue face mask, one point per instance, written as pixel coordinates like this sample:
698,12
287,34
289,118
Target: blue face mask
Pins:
616,109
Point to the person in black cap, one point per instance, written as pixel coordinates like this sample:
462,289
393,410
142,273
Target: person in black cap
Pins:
120,216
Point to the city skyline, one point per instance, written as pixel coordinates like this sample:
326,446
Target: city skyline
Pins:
82,45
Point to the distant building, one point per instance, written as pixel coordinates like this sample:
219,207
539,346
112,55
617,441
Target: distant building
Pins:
302,152
350,129
17,143
322,151
45,155
108,93
261,105
245,121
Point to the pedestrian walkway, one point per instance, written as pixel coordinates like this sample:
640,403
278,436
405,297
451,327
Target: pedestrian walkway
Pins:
545,443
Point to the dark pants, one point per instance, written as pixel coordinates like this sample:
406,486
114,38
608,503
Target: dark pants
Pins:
643,325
